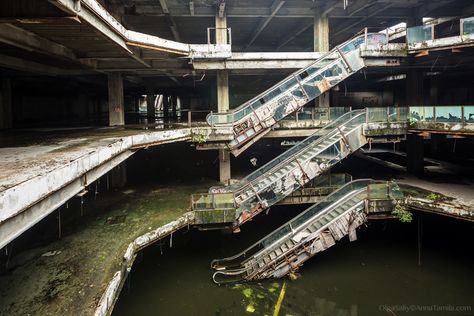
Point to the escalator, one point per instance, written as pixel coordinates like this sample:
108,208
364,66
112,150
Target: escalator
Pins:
314,230
297,166
254,118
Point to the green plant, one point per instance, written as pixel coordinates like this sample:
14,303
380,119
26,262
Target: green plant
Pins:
199,136
412,121
433,196
402,214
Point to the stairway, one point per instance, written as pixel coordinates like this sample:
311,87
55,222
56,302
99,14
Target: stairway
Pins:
288,247
297,166
251,120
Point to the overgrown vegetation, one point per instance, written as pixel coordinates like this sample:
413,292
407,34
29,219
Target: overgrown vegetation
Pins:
433,196
412,121
402,214
199,136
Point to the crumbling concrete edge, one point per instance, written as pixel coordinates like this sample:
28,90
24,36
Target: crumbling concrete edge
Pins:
112,292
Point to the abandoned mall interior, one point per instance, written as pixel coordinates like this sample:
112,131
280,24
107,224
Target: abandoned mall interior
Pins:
236,157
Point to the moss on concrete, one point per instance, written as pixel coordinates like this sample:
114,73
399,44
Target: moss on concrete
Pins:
72,282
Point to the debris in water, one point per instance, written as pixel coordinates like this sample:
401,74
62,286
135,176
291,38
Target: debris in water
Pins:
118,219
276,311
293,276
247,292
250,308
237,287
51,253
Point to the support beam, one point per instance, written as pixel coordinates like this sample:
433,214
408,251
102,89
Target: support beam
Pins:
414,80
116,107
15,36
34,67
221,30
170,21
118,176
222,91
384,6
6,104
415,154
321,44
221,9
276,5
223,97
224,166
150,108
295,34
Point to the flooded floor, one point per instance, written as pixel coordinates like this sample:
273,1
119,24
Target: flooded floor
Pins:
377,274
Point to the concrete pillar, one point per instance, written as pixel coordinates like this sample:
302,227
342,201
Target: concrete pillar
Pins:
321,44
174,104
6,117
414,80
166,108
118,176
414,87
116,109
415,154
223,99
436,143
150,108
222,91
387,95
221,30
434,91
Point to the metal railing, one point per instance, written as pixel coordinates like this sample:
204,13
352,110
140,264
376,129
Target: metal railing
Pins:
442,114
266,244
298,85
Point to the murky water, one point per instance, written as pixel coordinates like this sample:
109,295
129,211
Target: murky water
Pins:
376,275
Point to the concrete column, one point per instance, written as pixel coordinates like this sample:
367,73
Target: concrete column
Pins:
6,117
223,99
222,91
321,44
166,108
118,176
415,154
174,104
434,91
150,108
414,87
436,143
221,30
414,80
387,95
116,109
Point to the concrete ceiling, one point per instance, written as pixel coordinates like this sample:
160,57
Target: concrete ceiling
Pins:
41,37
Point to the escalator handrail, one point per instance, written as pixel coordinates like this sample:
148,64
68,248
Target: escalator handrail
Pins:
247,103
299,153
327,198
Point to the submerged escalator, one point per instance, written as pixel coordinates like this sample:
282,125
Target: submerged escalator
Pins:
314,230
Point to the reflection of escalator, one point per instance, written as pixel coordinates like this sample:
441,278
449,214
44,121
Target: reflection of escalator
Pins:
297,166
289,246
254,118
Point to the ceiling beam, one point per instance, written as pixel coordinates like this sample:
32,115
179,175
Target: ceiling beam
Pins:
221,8
38,68
276,5
20,38
295,34
170,21
368,16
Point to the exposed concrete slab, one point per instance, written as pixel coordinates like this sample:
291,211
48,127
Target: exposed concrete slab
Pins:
31,174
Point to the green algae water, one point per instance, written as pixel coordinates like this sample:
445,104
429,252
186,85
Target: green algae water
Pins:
375,275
